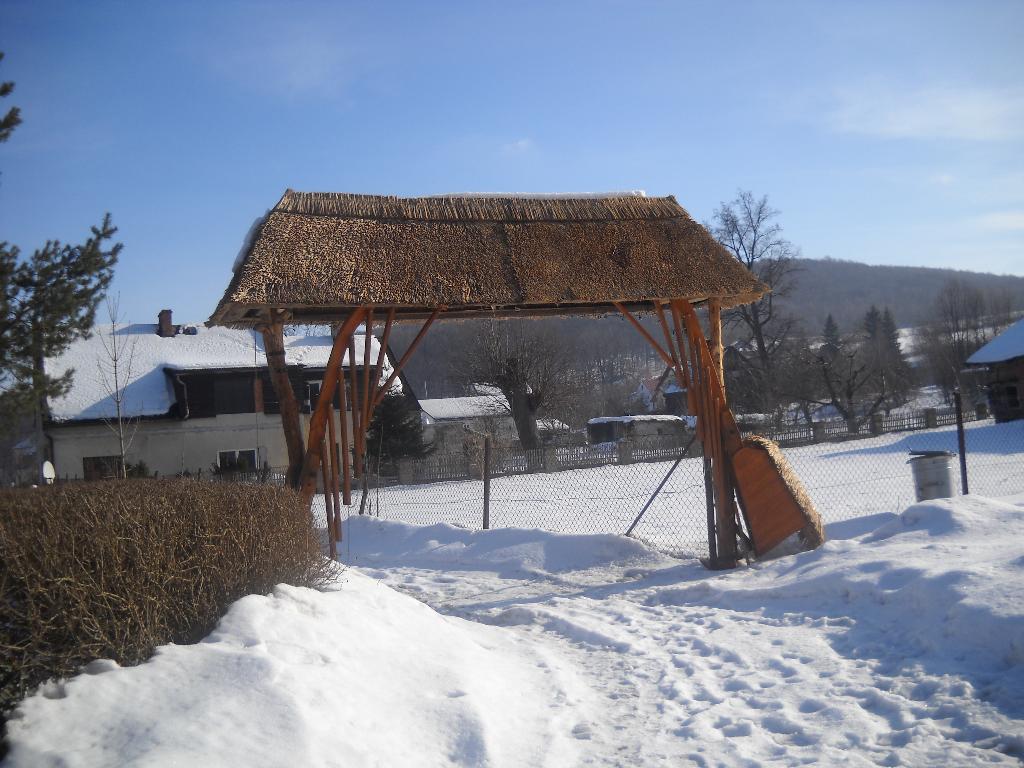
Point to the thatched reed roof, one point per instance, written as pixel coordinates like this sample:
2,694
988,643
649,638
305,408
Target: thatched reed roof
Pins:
316,255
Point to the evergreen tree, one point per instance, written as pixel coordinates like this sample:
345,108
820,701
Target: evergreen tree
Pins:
873,323
396,431
831,332
46,302
12,119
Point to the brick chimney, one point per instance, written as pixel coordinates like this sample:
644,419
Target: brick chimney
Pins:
164,326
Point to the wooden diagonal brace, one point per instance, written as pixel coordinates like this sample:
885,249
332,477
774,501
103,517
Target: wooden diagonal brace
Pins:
318,421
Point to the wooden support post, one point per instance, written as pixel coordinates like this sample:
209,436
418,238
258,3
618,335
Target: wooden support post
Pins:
273,346
677,365
344,455
382,354
318,421
379,395
328,502
368,395
715,321
333,456
715,413
353,380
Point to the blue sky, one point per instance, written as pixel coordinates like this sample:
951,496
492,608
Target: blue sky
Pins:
884,132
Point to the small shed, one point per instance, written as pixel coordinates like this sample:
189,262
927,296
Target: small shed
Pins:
607,429
1002,359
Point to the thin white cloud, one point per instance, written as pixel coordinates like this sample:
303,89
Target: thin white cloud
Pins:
942,179
1001,221
287,58
517,147
934,112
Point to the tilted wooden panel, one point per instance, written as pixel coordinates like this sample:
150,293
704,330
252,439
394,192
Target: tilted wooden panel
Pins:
771,511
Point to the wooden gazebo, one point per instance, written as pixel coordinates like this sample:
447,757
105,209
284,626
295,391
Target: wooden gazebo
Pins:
348,260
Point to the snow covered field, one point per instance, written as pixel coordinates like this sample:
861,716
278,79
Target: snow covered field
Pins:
899,642
847,479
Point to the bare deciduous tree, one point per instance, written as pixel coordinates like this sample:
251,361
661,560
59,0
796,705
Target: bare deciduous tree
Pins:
958,327
747,228
531,367
115,372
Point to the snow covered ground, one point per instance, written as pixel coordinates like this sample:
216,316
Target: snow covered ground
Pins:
845,480
899,642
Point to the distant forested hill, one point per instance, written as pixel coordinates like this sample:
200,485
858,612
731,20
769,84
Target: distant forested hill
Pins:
848,288
607,347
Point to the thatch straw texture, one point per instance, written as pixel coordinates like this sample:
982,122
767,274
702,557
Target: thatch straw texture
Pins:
813,533
317,254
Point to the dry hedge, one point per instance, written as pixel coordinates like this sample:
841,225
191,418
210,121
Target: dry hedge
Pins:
113,569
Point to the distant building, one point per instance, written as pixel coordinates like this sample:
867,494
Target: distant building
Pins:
607,429
1003,360
448,421
661,394
196,398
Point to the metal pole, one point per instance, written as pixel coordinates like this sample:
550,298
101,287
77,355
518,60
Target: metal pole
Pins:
961,440
487,482
660,486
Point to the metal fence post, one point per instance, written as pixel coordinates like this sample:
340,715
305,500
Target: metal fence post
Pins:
487,482
961,441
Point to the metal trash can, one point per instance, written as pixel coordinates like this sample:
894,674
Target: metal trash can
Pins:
933,474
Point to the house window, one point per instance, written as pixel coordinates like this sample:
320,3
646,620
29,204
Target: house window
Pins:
237,461
312,395
233,393
100,467
1012,400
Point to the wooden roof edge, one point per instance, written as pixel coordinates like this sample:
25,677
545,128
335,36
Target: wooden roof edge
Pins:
237,315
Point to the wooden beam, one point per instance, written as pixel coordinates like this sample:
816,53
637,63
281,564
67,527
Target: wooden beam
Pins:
353,380
344,455
368,395
379,395
673,346
273,346
333,456
328,502
717,351
382,354
318,421
643,332
716,415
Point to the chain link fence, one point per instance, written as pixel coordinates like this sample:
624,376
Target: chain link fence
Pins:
603,488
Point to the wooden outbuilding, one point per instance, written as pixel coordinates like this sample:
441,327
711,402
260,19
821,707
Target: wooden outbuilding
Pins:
352,260
1002,360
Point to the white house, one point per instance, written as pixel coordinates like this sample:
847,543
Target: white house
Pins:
195,398
447,421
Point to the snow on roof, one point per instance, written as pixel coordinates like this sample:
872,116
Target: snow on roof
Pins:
454,408
1006,346
549,195
148,390
552,425
628,419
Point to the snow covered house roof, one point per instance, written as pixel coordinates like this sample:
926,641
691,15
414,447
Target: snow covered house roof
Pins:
148,357
458,408
318,255
1006,346
640,418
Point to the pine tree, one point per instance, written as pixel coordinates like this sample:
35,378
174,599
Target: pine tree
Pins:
46,302
396,430
12,119
831,332
873,323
